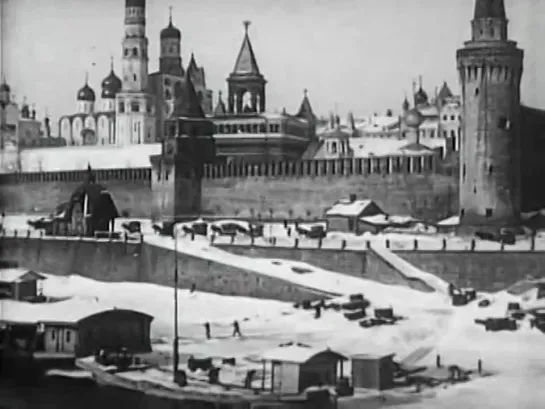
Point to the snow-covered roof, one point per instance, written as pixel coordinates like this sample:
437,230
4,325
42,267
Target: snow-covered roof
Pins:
346,208
377,124
429,111
451,221
68,312
383,219
80,157
297,354
429,123
11,275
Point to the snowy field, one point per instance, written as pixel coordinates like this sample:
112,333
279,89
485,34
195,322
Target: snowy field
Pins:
432,326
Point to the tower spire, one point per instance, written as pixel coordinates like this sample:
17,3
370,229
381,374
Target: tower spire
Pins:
170,16
86,77
112,63
246,26
489,9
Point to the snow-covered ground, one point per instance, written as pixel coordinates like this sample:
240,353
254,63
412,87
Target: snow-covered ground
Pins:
517,359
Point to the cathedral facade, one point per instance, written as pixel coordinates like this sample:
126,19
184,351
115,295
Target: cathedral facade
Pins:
132,109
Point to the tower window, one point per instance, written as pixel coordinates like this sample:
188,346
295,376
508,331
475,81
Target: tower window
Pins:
126,52
445,117
121,107
475,189
452,117
134,77
488,212
490,169
167,81
504,123
464,171
135,107
168,95
462,212
135,52
476,92
334,147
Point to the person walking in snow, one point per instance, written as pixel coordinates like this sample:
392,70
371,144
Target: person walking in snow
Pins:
192,289
236,329
207,330
318,311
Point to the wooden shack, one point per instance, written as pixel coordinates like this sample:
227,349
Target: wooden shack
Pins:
17,283
296,367
373,371
77,328
344,215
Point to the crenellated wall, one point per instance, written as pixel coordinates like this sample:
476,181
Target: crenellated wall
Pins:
299,189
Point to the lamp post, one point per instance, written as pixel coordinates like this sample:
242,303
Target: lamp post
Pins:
175,346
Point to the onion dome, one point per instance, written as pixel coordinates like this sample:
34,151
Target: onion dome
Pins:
413,118
111,85
421,97
86,93
4,87
170,31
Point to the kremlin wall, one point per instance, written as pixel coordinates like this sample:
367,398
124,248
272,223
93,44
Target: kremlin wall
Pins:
502,146
296,189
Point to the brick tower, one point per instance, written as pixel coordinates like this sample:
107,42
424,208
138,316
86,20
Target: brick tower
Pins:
490,69
188,145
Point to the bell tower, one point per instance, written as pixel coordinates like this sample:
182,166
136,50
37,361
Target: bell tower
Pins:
134,110
246,81
490,69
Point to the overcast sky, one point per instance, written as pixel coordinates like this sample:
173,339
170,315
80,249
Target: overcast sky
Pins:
358,54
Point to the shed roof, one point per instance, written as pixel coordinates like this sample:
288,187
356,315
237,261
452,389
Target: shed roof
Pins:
386,220
18,274
356,208
70,311
298,354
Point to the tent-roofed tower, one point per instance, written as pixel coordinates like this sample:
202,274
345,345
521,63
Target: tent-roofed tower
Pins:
246,80
490,68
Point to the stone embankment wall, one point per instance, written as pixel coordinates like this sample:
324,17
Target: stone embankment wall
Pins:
118,261
483,270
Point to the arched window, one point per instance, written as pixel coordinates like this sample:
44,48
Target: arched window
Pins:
135,52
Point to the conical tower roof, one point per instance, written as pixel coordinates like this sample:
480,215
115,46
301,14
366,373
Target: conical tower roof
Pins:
246,63
186,102
489,9
220,109
305,110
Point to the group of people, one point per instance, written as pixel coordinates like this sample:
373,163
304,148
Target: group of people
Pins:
207,329
236,330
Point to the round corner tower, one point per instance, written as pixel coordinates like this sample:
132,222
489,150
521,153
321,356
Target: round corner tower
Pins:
490,71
